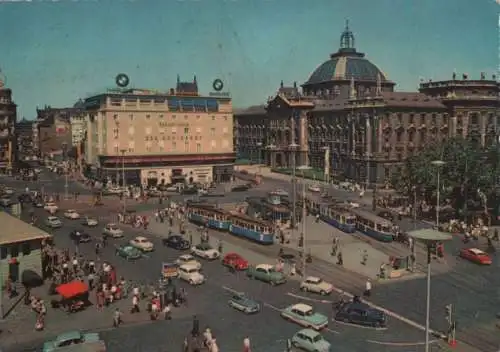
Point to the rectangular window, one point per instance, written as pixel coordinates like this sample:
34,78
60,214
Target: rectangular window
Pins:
198,147
174,146
212,131
186,147
26,248
186,130
14,250
174,130
3,252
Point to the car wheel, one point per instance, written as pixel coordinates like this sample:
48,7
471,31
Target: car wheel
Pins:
272,283
322,292
376,325
303,288
191,282
346,320
295,344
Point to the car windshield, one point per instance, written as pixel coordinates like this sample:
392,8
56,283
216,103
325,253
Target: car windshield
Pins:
317,338
308,313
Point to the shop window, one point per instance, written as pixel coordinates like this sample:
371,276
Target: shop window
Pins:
3,252
14,250
26,248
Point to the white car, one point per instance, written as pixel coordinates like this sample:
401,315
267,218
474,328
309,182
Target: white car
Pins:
8,191
115,190
53,222
71,214
5,200
51,207
142,243
172,189
90,222
353,204
191,274
316,285
188,259
314,188
112,230
205,251
281,192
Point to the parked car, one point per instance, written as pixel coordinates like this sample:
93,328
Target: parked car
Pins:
361,314
205,251
476,256
71,214
53,222
176,242
241,188
188,259
142,243
68,340
112,230
316,285
311,341
191,274
314,188
80,236
241,302
128,252
304,314
236,261
266,273
5,201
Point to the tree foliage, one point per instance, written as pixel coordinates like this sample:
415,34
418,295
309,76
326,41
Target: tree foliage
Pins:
467,169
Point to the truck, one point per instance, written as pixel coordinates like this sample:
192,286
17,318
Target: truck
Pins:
266,273
75,341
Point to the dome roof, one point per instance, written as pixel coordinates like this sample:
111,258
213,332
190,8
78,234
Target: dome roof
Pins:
346,64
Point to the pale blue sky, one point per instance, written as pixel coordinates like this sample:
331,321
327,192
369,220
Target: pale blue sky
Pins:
54,53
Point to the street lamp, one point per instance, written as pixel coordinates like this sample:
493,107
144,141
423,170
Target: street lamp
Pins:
304,214
64,148
293,148
438,164
326,173
430,238
124,181
259,146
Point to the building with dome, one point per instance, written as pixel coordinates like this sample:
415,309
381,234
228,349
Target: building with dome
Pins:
348,120
8,118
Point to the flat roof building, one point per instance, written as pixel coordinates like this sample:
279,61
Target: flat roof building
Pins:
20,248
154,137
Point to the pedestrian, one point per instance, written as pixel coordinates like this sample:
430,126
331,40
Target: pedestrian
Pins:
293,269
368,288
117,318
90,280
246,344
340,259
364,257
135,305
220,246
196,326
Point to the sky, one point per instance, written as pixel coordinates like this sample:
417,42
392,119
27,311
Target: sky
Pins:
53,53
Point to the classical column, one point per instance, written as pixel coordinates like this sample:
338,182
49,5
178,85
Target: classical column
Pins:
368,148
483,122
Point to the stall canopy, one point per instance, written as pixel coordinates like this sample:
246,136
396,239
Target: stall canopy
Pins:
72,289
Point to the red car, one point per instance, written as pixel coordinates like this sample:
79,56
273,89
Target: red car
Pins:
235,260
476,256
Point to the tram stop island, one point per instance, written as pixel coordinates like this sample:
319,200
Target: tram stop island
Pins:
20,250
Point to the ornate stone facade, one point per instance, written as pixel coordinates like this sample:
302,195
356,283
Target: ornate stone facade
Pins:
348,110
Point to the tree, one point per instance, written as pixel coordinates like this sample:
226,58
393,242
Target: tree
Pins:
468,168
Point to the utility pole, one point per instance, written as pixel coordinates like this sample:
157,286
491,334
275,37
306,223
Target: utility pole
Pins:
66,169
452,328
304,261
1,291
293,147
124,181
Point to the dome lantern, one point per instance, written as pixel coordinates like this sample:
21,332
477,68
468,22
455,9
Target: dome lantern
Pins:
347,38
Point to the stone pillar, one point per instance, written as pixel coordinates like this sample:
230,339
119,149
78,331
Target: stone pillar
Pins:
483,121
303,138
368,148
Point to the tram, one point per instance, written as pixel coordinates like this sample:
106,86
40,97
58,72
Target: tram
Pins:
373,226
253,229
208,215
338,216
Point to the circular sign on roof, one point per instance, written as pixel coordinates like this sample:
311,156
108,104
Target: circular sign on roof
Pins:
217,85
122,80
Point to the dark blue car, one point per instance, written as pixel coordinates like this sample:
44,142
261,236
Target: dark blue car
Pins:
361,314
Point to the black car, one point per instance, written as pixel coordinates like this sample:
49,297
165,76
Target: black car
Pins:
176,242
80,236
241,188
361,314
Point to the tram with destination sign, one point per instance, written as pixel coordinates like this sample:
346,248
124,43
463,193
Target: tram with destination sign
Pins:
252,229
373,226
338,216
208,215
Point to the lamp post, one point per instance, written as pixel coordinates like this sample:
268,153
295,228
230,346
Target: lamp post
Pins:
303,221
430,238
124,183
438,164
64,148
259,149
293,148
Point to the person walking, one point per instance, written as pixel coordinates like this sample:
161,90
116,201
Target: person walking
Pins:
368,288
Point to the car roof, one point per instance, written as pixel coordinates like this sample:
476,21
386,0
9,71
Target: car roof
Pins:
313,278
111,224
233,254
302,307
189,266
476,251
71,210
186,256
141,238
53,218
309,332
265,266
